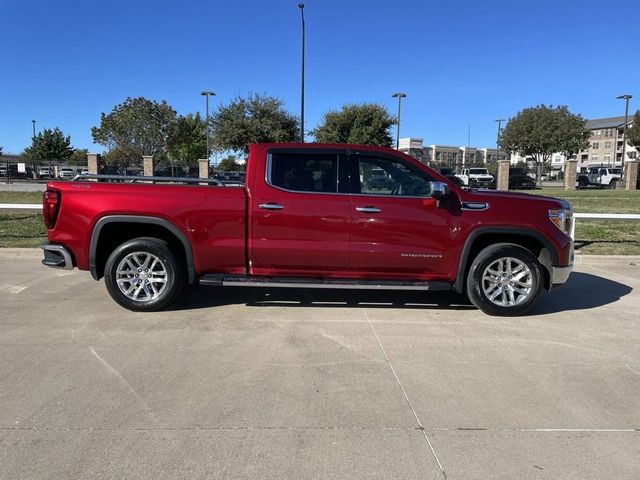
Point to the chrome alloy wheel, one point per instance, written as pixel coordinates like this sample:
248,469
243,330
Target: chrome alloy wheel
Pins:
141,276
507,282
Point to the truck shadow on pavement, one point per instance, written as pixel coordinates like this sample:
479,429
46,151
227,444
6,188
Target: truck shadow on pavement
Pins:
583,291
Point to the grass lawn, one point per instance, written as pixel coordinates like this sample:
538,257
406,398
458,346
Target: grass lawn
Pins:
21,228
24,228
603,238
20,197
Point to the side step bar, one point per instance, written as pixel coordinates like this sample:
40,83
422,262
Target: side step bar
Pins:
300,282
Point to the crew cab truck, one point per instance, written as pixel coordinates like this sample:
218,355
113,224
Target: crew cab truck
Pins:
476,177
307,216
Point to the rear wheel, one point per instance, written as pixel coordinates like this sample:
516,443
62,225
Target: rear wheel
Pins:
505,279
613,183
143,275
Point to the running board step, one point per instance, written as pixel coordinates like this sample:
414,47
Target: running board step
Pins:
300,282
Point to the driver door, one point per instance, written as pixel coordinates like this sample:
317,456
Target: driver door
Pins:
397,229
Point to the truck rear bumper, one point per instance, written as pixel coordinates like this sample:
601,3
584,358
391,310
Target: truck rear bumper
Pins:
56,256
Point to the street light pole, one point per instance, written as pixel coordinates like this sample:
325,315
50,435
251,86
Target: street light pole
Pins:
499,121
399,96
206,94
33,160
624,131
301,7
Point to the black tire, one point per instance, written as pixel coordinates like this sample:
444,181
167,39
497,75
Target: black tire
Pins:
514,297
156,288
613,183
583,182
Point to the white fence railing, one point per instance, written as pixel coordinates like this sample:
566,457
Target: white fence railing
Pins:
602,217
20,206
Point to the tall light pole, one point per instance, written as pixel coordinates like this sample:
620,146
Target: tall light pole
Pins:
624,131
33,124
301,7
499,121
206,94
399,96
33,141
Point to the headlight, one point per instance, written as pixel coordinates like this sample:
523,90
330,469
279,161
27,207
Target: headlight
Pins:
561,218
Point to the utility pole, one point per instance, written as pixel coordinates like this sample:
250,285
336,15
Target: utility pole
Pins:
399,96
626,98
206,94
301,7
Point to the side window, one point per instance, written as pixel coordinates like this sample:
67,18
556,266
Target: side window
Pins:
386,176
304,172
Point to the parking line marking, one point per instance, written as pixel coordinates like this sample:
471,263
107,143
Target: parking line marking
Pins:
406,397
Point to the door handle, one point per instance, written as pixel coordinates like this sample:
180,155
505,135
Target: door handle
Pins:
271,206
368,209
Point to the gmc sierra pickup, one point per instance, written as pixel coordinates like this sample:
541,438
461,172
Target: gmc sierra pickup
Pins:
311,215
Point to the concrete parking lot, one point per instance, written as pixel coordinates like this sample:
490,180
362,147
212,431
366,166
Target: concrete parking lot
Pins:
292,384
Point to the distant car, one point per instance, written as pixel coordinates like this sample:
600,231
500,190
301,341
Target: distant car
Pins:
44,172
3,171
65,172
521,182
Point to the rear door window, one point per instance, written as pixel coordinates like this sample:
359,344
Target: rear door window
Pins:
308,172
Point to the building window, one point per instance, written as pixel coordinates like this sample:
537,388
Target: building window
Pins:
595,133
607,157
607,145
595,145
594,157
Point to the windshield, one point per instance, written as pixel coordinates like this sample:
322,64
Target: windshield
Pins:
478,171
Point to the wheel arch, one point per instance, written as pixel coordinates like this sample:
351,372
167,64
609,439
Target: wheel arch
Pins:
112,230
481,238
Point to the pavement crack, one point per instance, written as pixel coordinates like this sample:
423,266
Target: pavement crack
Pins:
406,397
131,390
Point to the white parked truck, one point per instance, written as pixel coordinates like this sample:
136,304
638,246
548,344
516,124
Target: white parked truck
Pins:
605,176
475,176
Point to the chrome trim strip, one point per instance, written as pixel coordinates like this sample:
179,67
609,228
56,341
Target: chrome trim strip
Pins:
368,209
560,275
68,263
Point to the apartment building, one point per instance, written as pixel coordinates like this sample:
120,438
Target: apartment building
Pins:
605,143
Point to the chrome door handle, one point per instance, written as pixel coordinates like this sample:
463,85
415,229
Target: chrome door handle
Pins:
271,206
368,209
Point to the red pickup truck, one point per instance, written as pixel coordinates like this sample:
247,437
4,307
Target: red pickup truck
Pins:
313,216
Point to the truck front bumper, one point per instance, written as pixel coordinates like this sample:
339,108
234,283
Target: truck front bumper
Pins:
560,275
56,256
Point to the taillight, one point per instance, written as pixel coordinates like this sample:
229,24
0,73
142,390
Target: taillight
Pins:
50,207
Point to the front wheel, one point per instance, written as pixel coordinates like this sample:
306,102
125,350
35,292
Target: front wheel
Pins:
505,280
143,275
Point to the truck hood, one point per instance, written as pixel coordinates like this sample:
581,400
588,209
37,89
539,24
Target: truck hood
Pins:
502,196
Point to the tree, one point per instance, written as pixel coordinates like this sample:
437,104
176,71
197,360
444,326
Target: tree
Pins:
50,145
255,119
540,131
187,141
633,132
367,123
79,157
135,128
230,164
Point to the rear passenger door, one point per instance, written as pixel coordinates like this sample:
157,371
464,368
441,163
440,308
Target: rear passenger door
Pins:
300,214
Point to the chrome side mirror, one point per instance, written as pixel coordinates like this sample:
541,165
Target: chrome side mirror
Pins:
439,189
